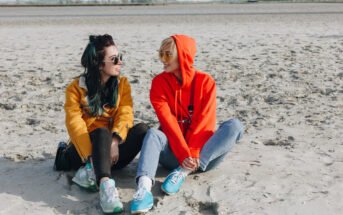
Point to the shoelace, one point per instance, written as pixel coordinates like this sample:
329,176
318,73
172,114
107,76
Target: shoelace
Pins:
139,194
82,173
111,193
177,176
91,174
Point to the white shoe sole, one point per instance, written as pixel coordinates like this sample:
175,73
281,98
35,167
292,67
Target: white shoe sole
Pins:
80,184
117,209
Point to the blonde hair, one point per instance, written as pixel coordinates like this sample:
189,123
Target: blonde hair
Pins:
170,44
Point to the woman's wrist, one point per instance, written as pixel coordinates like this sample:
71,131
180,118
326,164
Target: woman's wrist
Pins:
117,138
115,141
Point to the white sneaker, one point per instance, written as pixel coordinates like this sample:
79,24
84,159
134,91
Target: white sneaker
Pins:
85,178
109,198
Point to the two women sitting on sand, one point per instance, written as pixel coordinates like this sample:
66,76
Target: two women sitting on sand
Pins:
99,119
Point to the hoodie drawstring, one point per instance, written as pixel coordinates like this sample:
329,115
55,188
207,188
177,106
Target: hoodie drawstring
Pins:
181,113
175,108
177,92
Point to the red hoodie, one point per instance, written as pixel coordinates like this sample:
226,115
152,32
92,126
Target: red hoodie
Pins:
171,99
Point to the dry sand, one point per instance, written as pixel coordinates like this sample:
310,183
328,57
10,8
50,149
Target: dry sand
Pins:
278,68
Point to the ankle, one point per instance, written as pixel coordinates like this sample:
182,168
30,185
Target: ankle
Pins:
103,179
184,171
145,181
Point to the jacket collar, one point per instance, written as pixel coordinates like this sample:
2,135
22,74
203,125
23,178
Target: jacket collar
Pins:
82,82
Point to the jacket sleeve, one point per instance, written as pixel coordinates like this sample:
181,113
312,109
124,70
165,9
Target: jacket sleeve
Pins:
123,118
168,121
76,126
204,119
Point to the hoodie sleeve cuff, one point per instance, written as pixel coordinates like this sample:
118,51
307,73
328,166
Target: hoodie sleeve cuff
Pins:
115,134
180,159
195,152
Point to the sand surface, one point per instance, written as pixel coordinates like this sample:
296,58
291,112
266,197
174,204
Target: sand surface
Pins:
278,68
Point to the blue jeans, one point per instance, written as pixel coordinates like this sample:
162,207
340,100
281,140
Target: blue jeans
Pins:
156,149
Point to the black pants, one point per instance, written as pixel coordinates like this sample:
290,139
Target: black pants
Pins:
101,139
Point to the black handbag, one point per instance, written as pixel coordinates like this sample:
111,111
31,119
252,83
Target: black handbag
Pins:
61,159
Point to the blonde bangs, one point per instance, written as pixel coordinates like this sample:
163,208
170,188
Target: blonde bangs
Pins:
169,44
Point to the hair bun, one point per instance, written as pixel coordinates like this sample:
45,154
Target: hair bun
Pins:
92,38
90,57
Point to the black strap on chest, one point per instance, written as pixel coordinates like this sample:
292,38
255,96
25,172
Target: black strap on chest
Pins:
191,103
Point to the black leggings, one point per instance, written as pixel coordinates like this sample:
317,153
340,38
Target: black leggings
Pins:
101,139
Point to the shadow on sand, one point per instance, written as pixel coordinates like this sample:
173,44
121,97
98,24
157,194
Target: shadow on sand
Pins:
35,182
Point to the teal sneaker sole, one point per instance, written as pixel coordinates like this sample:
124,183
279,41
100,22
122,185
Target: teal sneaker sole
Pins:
91,188
168,193
115,210
143,210
118,210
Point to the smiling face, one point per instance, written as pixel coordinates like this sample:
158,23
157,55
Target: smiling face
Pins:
170,61
109,69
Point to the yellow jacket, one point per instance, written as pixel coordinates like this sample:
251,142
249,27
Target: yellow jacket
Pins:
79,123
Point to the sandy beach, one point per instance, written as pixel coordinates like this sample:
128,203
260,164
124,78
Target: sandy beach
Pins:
277,67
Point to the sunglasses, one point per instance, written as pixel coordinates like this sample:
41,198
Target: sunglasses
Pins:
166,55
116,59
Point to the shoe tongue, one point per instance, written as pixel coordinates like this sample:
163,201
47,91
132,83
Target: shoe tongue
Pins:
88,165
141,189
107,183
139,193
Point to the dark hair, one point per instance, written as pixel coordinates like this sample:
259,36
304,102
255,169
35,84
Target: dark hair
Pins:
92,59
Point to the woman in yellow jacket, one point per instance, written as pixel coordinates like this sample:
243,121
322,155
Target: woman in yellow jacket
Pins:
99,119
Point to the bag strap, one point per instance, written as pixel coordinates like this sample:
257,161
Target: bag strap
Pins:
191,103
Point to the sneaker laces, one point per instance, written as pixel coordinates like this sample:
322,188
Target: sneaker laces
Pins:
177,176
111,193
139,194
91,174
82,173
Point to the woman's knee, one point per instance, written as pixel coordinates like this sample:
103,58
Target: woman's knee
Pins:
233,125
155,133
155,136
100,136
140,129
101,132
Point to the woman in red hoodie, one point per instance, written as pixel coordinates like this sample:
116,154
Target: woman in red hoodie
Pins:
184,100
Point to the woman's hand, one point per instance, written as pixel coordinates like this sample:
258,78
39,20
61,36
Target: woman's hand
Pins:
188,163
197,163
114,150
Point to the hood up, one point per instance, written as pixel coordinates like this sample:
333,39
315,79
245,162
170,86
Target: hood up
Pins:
186,48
